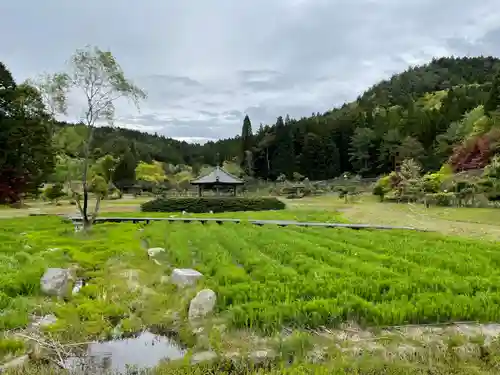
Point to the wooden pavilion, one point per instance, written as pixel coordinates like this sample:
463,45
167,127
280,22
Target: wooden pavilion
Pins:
217,180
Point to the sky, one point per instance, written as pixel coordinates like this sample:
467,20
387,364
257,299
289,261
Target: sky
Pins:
206,63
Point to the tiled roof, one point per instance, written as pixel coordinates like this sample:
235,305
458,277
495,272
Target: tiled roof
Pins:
218,175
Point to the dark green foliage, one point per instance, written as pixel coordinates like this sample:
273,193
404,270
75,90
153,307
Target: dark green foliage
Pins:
247,144
27,156
54,192
282,161
124,173
493,102
441,199
214,204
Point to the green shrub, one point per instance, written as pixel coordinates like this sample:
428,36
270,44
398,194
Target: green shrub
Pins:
431,182
382,187
54,192
441,199
215,204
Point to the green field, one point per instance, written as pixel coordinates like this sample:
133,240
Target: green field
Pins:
266,278
271,277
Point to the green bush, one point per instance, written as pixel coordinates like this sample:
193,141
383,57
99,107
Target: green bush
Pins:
431,182
382,187
441,199
215,204
54,192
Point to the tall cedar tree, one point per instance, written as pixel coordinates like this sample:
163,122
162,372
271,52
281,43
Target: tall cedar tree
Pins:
246,145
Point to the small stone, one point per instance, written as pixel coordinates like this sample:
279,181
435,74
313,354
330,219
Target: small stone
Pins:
154,251
78,286
260,356
56,282
201,357
44,321
202,305
198,331
185,277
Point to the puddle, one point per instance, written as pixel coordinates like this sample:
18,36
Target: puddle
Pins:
144,351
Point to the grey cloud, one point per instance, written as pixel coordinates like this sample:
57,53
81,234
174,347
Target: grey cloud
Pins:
207,64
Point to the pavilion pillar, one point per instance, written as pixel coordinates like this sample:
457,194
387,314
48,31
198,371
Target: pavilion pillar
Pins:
199,190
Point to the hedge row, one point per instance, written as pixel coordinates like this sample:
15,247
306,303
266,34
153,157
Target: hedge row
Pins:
214,204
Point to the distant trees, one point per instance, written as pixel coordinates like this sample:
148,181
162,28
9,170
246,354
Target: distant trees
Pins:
443,112
426,113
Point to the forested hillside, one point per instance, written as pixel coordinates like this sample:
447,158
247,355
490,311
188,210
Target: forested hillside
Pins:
445,110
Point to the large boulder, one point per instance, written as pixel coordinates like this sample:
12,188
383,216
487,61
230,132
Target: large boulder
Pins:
57,282
202,304
183,277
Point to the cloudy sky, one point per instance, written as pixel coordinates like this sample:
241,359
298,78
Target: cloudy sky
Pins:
207,63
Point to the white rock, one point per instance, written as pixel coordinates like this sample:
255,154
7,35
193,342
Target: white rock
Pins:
201,357
202,305
55,282
185,277
154,251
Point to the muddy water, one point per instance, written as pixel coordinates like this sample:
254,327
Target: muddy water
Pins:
141,352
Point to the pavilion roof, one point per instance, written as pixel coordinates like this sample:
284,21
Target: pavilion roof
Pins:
217,176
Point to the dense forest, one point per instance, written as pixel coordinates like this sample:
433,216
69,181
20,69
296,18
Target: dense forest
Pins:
444,112
439,112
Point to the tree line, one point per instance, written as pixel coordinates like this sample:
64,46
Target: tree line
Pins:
442,112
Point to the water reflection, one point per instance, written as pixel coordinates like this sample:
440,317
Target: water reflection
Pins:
141,352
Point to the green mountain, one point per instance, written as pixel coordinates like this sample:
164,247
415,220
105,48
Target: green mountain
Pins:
444,111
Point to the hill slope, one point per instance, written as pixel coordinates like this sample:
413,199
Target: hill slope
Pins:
433,113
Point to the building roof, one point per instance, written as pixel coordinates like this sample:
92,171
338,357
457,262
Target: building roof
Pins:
218,176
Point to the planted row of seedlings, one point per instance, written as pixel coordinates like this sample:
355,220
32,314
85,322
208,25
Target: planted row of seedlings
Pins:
270,277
